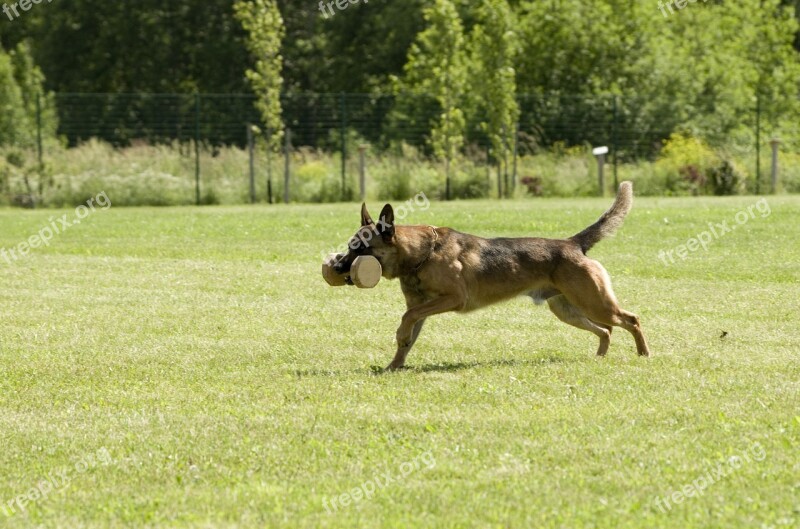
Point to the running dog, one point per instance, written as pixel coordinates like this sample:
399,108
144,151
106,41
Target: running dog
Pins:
443,270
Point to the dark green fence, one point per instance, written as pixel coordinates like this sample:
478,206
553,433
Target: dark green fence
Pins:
322,120
338,123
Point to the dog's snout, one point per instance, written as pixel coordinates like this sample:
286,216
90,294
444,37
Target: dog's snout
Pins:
340,265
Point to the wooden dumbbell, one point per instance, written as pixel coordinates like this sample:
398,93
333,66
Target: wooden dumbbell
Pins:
365,272
329,274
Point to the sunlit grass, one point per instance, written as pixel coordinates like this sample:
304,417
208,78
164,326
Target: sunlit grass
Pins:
232,388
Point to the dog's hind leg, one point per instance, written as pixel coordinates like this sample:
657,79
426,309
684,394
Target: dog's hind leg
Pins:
569,313
630,322
588,287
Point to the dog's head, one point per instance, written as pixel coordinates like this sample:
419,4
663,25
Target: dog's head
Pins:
375,239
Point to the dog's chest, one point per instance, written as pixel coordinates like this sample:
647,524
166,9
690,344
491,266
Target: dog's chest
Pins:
411,284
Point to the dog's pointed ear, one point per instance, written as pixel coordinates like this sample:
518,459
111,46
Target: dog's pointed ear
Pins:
386,222
366,220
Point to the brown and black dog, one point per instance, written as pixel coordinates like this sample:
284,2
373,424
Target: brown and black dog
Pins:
443,270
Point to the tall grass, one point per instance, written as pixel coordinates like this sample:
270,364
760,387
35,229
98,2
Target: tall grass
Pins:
164,175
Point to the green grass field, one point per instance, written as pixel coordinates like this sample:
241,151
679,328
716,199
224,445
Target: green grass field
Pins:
190,368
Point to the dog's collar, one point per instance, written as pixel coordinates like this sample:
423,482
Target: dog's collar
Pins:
433,249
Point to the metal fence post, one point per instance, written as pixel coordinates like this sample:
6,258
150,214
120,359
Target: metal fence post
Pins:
251,151
614,146
362,171
758,143
447,177
600,154
488,167
775,143
343,133
287,153
197,148
39,128
269,166
516,152
501,189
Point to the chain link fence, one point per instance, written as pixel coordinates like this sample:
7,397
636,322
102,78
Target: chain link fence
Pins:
201,126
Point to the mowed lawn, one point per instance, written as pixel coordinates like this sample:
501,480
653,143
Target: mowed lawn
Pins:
188,367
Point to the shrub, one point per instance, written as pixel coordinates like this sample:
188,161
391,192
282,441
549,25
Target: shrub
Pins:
470,181
560,173
393,181
404,173
789,172
725,179
690,166
315,181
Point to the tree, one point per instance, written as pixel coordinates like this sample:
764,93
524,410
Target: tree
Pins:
38,104
371,42
13,120
24,102
436,66
263,23
493,52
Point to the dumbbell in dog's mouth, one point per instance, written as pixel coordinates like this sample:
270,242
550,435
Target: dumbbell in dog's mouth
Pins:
342,265
363,271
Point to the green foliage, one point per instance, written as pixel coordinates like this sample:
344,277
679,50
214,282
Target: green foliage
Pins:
22,97
404,174
690,165
559,173
437,66
493,47
264,25
684,162
725,179
471,181
35,98
14,122
179,46
708,59
789,164
579,47
698,70
681,150
371,40
463,72
394,182
164,174
316,181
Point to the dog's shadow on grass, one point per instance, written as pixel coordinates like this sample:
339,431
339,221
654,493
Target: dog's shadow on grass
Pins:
453,367
440,367
449,367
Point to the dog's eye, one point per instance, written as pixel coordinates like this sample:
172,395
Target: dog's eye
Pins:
355,247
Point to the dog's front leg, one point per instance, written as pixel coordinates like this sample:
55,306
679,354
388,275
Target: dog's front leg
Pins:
402,351
413,320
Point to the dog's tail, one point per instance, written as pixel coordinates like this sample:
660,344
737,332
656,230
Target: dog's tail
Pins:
608,223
